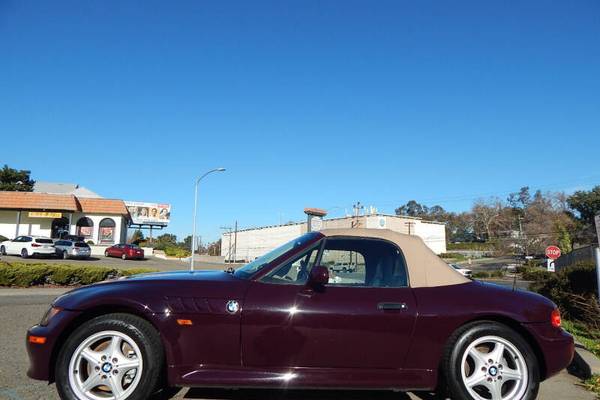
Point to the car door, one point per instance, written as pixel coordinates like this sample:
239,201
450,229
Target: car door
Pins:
362,319
13,246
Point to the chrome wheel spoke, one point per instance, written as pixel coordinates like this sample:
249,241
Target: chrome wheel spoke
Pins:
477,379
91,356
512,375
116,386
478,357
497,354
495,389
128,364
114,348
92,381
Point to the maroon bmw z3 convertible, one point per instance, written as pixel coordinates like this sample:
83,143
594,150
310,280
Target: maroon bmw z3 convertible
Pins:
399,319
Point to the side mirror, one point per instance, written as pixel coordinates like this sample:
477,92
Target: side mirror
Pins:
319,277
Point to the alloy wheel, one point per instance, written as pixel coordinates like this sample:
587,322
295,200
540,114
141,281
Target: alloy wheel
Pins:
493,368
106,365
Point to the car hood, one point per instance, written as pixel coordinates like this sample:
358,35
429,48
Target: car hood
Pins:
150,292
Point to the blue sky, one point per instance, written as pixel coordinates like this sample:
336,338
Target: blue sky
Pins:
306,103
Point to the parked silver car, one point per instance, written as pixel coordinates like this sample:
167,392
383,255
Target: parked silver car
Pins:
69,248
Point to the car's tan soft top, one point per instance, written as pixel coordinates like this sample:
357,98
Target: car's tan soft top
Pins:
425,268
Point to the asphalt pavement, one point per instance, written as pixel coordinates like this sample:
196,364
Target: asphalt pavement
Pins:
21,308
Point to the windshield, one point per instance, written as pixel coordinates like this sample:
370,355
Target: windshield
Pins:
250,269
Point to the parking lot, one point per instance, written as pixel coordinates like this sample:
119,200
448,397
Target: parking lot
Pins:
21,308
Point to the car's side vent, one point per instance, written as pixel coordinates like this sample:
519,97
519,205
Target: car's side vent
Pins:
188,305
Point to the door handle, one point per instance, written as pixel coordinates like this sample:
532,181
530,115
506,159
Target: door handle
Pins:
392,306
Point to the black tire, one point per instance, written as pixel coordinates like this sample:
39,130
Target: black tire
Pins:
2,251
65,255
459,343
141,331
24,253
123,257
106,253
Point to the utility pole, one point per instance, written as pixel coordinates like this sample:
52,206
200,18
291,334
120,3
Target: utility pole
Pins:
521,237
235,243
357,207
227,229
410,225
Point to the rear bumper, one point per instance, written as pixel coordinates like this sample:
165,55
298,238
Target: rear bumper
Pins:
557,346
41,355
44,252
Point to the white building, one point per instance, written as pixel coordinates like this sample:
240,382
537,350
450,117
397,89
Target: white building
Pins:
101,221
248,244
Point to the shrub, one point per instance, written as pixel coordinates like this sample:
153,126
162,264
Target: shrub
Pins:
570,289
25,275
136,271
454,256
178,252
481,275
534,273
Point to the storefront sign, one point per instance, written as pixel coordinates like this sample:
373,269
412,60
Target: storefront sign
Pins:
149,213
42,214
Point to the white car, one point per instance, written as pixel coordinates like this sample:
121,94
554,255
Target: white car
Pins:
464,271
26,246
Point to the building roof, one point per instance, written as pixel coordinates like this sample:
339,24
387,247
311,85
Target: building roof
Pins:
37,201
64,188
425,268
60,202
102,206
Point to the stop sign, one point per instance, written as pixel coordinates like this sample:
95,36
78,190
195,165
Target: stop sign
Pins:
553,252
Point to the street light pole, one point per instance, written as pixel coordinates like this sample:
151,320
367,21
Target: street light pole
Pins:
195,211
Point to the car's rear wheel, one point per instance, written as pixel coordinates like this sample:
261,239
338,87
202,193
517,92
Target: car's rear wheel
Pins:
2,251
115,356
490,361
65,255
24,253
124,256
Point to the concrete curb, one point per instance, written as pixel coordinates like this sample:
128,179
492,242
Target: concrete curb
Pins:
585,363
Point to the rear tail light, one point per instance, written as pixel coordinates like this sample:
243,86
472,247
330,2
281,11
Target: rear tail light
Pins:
35,245
555,318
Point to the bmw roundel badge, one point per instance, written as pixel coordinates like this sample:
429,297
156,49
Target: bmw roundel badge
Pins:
232,306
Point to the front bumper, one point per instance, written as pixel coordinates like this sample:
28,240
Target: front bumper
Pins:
41,355
557,346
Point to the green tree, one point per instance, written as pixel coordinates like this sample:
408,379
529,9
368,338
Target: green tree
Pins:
137,237
585,206
167,238
15,180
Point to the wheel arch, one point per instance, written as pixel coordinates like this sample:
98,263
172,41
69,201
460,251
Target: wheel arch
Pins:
90,314
515,326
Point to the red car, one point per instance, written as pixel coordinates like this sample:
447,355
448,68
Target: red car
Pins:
403,319
125,251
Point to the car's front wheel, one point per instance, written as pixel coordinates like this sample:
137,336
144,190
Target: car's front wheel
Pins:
490,361
2,251
115,356
106,253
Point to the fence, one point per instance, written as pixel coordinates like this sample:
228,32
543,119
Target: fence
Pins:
583,254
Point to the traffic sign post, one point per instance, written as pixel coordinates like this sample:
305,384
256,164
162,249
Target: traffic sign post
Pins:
552,253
